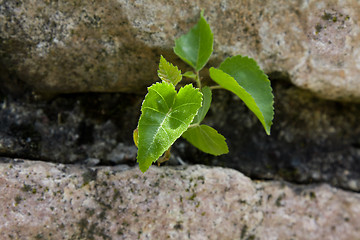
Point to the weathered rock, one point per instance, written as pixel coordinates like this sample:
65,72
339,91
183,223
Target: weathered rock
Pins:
47,201
308,212
115,45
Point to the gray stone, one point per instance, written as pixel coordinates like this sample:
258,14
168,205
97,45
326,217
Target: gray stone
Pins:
308,212
54,201
121,153
115,45
70,129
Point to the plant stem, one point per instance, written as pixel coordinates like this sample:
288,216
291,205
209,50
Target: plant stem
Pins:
198,81
193,125
164,157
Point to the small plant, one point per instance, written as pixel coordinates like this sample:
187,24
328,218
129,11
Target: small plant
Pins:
168,114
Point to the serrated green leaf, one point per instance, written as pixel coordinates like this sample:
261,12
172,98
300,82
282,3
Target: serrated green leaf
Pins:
189,74
165,116
196,46
242,76
206,139
206,91
168,72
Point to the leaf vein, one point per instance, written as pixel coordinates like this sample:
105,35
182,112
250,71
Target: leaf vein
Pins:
177,119
185,104
155,110
203,132
161,97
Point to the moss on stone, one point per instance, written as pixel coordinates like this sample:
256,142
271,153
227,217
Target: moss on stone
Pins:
26,188
243,231
192,197
18,199
318,28
326,16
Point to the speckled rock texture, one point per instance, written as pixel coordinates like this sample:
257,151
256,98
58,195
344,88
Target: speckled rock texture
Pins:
81,46
46,201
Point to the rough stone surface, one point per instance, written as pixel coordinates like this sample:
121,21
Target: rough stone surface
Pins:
77,46
47,201
308,212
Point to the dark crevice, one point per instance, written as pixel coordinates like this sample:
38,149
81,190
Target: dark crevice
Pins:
6,157
310,136
85,131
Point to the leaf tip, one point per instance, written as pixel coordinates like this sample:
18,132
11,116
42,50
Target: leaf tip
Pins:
268,131
202,13
143,169
143,166
169,73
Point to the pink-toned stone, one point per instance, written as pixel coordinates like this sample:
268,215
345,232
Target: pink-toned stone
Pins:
62,202
46,201
309,212
113,45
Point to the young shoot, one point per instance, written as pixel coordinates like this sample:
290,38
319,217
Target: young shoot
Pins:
168,114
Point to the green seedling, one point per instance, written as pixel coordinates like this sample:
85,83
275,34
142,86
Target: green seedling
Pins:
168,114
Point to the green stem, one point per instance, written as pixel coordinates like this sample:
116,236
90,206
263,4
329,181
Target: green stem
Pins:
198,81
193,125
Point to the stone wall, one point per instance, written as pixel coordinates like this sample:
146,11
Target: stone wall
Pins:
55,54
48,201
114,46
